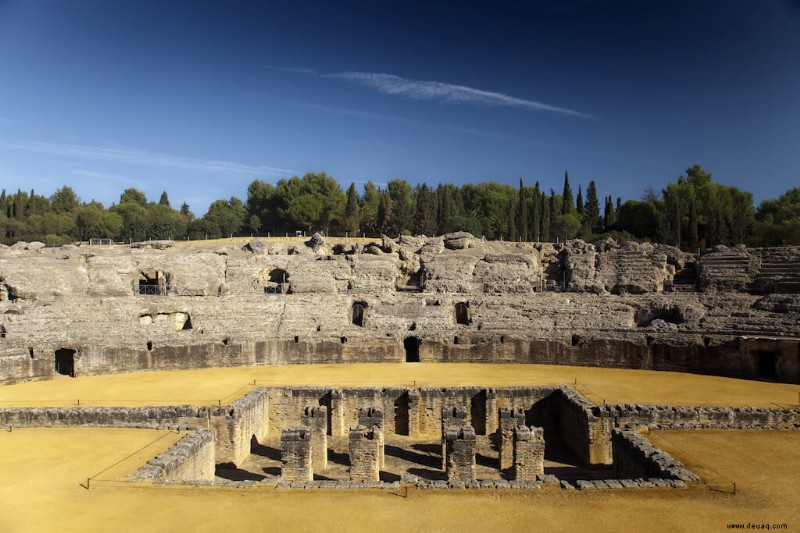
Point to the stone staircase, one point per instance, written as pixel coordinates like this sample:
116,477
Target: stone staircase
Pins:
780,272
685,279
727,270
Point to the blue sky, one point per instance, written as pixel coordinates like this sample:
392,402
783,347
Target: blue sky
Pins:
199,99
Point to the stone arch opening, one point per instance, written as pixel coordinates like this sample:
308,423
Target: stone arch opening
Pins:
462,313
411,345
358,313
276,281
153,283
65,362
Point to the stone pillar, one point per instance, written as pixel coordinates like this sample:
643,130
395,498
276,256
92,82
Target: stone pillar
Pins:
296,454
364,455
528,453
460,443
337,413
372,417
491,411
414,402
510,419
452,417
316,419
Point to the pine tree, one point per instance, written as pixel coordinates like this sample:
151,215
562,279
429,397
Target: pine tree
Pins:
164,200
567,200
579,202
592,208
523,213
185,210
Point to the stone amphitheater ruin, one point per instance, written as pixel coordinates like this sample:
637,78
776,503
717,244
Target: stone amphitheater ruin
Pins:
79,311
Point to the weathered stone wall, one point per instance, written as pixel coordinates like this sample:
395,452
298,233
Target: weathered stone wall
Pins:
627,305
635,457
238,423
365,453
190,459
316,420
296,460
460,444
510,420
529,448
583,428
178,416
701,417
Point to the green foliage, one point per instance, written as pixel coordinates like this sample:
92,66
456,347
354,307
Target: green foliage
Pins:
64,200
567,205
402,200
425,214
133,196
311,202
350,221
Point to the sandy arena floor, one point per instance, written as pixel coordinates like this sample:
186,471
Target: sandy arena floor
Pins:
42,471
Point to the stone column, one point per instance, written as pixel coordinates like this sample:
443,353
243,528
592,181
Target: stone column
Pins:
316,419
460,443
337,413
452,417
372,417
528,453
296,454
414,402
364,456
491,411
510,419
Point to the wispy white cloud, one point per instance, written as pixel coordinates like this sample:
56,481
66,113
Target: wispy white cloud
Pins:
103,177
146,158
435,90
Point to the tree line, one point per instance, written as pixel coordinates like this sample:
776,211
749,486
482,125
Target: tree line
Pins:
692,212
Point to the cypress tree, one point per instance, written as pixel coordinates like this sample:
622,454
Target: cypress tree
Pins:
523,214
579,202
536,218
4,203
164,200
512,225
351,218
425,215
592,208
693,235
567,200
545,218
553,213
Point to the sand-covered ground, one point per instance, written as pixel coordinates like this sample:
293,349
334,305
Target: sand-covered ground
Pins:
210,386
42,471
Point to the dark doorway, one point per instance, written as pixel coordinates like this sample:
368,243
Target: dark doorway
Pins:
766,365
359,313
411,345
277,282
65,362
462,313
401,414
478,412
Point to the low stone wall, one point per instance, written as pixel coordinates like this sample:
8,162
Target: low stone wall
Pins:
165,417
189,459
635,458
701,417
236,424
